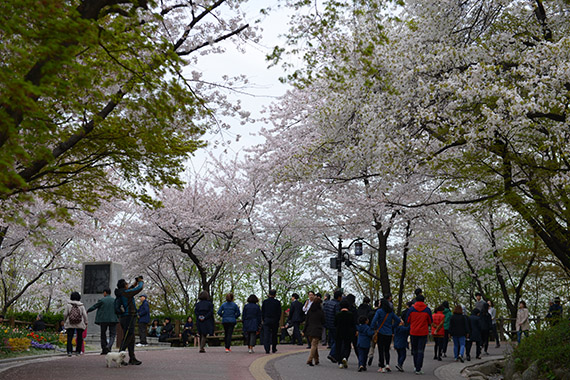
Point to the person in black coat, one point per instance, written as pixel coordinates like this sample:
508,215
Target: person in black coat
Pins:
459,330
270,316
314,329
251,317
204,311
345,333
167,330
296,316
486,327
474,334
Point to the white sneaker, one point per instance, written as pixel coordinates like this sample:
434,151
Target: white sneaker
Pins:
339,366
138,345
387,368
345,363
381,370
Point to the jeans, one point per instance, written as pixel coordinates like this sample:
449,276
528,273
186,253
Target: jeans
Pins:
458,346
384,342
362,356
418,348
78,340
107,344
519,335
332,339
401,355
228,332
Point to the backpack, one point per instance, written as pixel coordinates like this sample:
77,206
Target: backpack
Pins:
75,316
119,308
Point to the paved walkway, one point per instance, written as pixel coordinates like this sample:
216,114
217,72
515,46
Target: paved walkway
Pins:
185,363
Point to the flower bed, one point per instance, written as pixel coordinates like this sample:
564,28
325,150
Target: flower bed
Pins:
18,340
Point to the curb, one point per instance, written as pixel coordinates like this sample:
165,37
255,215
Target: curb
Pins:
257,368
452,371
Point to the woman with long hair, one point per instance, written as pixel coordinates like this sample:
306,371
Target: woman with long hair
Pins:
251,318
459,330
204,311
229,312
313,330
523,324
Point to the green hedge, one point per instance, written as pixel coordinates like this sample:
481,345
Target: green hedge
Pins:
549,346
28,316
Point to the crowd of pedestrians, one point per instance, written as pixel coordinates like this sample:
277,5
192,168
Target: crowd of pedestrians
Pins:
335,321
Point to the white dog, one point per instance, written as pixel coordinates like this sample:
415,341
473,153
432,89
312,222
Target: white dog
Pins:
116,357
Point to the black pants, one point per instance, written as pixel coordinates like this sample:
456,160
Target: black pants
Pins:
342,349
142,333
485,339
228,332
78,340
384,342
107,344
297,334
468,348
270,336
128,326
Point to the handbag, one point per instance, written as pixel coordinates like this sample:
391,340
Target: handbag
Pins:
375,336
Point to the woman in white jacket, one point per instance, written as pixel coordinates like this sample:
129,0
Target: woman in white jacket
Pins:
75,321
523,324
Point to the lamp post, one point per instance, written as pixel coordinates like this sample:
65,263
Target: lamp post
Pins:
342,257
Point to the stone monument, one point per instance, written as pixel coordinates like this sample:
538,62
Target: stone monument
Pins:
96,277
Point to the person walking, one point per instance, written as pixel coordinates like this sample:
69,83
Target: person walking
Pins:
106,319
144,319
296,316
382,323
459,330
314,329
419,318
229,312
127,318
475,327
401,333
447,312
75,319
270,316
331,309
522,323
345,332
494,332
204,310
438,332
251,318
486,326
365,334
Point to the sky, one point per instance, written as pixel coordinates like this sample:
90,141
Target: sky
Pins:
264,87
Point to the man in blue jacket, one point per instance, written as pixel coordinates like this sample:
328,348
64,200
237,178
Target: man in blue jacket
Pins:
331,309
128,316
144,320
296,316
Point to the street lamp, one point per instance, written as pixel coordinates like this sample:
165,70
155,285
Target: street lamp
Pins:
343,257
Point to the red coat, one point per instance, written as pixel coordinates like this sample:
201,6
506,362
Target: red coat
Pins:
419,318
437,329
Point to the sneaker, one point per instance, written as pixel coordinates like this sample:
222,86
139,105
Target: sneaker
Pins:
387,369
139,344
345,363
202,350
361,368
69,354
340,366
310,364
381,370
399,368
249,351
227,350
332,359
135,362
419,372
461,359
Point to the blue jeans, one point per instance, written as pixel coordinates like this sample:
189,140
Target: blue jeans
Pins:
401,356
458,346
418,348
362,356
519,335
332,338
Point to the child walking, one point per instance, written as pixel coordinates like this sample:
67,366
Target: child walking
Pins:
365,334
401,333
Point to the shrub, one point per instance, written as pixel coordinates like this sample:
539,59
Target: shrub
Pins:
549,346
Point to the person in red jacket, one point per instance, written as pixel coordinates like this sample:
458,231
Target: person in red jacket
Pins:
438,332
419,318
